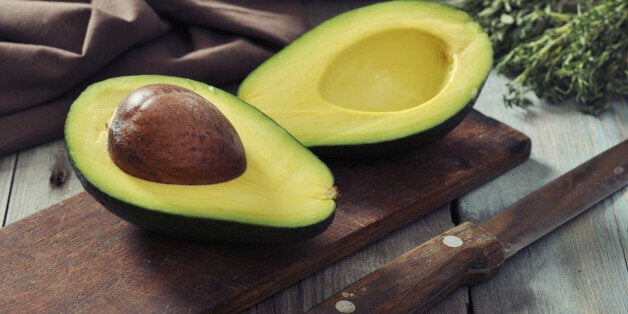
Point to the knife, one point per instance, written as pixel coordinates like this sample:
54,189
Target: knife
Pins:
469,254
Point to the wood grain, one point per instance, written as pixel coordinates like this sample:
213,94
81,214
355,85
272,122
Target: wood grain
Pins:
80,257
557,202
302,296
428,272
581,267
463,255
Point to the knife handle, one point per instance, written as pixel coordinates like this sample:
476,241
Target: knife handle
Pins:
463,255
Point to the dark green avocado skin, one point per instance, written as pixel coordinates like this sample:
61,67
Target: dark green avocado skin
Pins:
201,229
396,146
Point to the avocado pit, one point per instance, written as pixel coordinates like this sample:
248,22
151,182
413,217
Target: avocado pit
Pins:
168,134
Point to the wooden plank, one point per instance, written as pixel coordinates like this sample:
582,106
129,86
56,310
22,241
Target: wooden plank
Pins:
317,287
43,172
323,284
620,214
7,164
582,266
82,258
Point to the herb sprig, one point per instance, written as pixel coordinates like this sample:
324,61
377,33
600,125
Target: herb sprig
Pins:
558,49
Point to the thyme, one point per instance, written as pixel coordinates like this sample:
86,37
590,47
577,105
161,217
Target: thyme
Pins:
558,49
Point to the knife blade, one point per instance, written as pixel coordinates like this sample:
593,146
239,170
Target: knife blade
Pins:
469,254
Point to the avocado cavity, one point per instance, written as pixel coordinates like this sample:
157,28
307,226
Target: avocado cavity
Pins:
389,71
168,134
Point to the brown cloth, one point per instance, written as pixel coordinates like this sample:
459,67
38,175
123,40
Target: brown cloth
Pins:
51,50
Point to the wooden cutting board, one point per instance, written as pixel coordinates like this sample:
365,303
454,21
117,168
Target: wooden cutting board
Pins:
76,256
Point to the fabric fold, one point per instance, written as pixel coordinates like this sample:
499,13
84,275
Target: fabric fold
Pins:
51,50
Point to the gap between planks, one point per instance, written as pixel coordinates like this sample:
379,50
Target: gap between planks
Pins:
7,173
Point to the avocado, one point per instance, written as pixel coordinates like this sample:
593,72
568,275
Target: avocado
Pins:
375,80
283,194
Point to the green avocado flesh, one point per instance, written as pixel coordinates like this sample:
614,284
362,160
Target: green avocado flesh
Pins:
392,73
286,193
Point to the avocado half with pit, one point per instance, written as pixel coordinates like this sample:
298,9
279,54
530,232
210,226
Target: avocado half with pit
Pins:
376,79
282,194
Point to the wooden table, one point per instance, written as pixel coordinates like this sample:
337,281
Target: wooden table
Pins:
579,268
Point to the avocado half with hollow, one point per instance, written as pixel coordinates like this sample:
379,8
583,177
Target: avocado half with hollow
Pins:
375,79
284,194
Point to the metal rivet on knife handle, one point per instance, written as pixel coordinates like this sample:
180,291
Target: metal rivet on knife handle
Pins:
452,241
344,306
